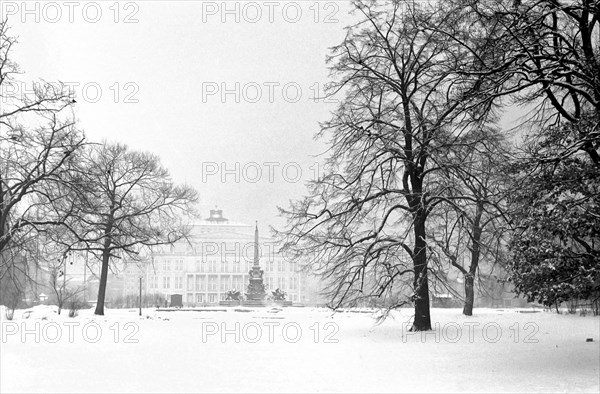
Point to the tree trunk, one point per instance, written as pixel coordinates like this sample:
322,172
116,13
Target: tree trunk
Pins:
469,295
104,270
421,284
102,284
475,255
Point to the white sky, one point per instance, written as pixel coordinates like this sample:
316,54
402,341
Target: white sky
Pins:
174,51
166,61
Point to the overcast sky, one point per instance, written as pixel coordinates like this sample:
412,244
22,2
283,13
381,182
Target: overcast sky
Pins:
228,94
156,84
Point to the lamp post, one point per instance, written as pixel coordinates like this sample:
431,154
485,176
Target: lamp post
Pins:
85,279
140,296
64,286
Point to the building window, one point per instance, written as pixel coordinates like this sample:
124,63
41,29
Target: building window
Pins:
225,283
190,283
212,298
281,283
212,283
179,282
166,282
238,282
199,297
280,266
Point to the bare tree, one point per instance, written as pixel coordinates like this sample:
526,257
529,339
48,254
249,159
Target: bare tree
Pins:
126,203
406,106
37,138
473,226
60,283
542,54
545,55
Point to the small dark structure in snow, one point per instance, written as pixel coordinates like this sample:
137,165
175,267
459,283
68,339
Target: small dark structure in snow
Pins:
447,300
176,301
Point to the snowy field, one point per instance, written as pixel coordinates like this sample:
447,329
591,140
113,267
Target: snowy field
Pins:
297,350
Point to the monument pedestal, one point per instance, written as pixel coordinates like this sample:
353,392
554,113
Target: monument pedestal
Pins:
255,303
230,303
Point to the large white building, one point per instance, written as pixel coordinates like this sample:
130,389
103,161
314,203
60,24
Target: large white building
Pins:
216,258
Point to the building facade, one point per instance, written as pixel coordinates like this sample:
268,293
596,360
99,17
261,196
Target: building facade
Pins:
216,258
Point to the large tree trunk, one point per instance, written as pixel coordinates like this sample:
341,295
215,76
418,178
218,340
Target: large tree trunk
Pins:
421,284
102,284
469,295
475,253
104,270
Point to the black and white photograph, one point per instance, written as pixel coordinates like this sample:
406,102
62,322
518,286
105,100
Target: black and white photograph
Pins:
346,196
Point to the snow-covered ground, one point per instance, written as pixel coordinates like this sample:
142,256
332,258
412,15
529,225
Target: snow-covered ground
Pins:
297,350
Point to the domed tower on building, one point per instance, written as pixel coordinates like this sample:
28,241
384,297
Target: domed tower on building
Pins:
216,216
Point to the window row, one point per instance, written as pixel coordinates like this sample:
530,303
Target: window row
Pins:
177,265
153,282
216,266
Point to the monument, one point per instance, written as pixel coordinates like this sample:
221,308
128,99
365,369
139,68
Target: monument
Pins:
256,294
256,288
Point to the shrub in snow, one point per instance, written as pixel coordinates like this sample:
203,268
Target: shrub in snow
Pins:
9,313
74,307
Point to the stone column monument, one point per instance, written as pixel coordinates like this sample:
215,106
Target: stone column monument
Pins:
256,288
